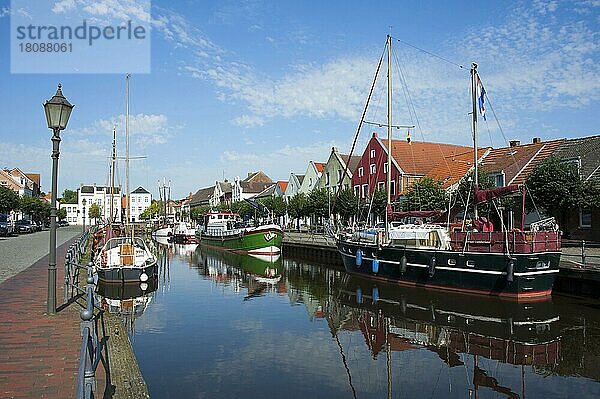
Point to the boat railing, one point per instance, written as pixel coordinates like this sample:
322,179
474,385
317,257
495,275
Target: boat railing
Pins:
506,241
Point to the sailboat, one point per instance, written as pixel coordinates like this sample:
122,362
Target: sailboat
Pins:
125,258
513,264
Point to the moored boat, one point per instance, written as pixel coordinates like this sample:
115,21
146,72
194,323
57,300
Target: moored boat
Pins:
183,233
225,230
515,264
125,259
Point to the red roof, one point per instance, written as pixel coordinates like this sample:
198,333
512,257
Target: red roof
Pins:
455,167
320,166
419,157
282,185
518,161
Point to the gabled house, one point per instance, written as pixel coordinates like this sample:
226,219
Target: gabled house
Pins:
455,167
222,194
202,197
20,182
311,177
253,184
513,164
334,170
293,185
410,162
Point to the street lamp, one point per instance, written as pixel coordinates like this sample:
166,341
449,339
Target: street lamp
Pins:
58,110
84,202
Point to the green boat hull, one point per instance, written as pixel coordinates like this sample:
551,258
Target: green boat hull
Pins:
259,241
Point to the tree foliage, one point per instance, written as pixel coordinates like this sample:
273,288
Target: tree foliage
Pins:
297,206
198,212
94,212
61,213
425,194
276,205
242,208
154,210
379,204
9,200
346,204
318,202
69,197
556,187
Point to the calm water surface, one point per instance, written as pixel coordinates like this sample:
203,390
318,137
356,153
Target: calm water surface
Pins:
217,325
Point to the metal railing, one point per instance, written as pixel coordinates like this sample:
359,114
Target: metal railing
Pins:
90,354
581,255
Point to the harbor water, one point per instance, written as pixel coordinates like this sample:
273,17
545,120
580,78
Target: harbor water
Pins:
220,325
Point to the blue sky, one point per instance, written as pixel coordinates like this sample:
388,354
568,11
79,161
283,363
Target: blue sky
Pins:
238,86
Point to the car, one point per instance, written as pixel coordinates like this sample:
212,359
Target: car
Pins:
25,226
62,223
6,225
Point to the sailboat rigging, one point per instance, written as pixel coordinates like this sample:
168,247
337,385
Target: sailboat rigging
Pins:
513,264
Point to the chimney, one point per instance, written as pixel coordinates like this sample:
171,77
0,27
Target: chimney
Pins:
515,143
536,140
374,134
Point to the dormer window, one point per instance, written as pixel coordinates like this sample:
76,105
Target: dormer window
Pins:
373,153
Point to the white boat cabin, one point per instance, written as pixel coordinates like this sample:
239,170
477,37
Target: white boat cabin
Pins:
408,235
218,223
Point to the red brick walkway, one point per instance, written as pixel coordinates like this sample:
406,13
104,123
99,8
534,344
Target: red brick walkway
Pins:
39,354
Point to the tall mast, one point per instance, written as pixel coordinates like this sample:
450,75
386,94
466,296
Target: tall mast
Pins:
389,123
111,218
127,199
475,157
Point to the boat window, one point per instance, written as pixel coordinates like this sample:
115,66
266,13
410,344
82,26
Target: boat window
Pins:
452,262
220,217
470,263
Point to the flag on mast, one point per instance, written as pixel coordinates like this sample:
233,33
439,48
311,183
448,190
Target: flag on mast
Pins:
408,137
480,98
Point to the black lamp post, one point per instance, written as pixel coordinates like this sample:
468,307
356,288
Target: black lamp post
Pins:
84,202
58,110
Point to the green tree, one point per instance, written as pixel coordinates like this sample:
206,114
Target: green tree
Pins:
318,202
276,205
61,213
198,212
379,203
69,197
556,187
9,200
425,194
297,207
152,211
94,212
346,205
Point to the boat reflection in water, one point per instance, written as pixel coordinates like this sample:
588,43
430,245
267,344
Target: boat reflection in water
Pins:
127,300
459,329
259,274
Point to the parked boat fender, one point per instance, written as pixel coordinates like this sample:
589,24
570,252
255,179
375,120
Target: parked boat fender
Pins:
375,264
358,257
375,294
143,277
403,263
510,271
432,267
358,295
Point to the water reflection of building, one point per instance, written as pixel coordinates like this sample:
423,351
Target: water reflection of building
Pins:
258,275
127,300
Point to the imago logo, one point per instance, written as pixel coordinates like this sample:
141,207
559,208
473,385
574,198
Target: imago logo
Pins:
270,236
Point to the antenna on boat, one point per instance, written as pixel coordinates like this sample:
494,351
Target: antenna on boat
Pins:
112,174
127,146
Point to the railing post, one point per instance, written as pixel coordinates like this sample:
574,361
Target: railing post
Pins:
583,252
88,332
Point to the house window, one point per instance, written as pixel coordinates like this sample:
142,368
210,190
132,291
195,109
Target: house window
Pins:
365,190
146,199
372,153
381,185
340,175
373,168
497,179
385,167
392,188
357,191
360,172
327,178
585,218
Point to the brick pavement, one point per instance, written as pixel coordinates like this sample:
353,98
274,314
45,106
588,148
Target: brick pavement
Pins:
39,354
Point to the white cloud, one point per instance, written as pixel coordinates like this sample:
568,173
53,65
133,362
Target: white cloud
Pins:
144,129
248,121
103,10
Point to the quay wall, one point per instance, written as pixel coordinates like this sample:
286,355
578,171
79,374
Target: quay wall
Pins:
574,277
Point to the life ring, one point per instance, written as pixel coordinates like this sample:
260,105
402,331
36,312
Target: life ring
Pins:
103,258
